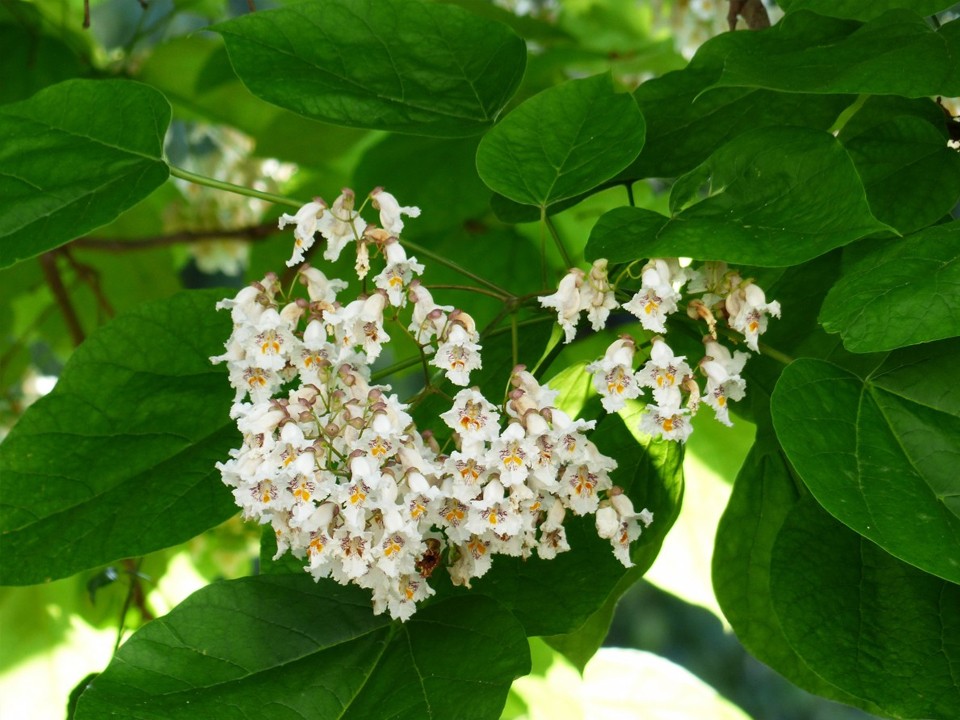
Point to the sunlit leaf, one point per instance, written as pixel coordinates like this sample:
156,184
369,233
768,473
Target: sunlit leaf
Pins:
405,65
69,165
283,646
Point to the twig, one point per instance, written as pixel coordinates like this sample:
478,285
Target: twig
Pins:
48,261
91,277
252,233
752,11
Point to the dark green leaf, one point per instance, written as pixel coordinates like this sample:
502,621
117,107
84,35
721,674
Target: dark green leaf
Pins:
561,143
282,647
911,177
881,454
403,65
896,54
31,61
686,121
876,627
75,156
437,175
775,197
898,292
119,459
762,497
864,9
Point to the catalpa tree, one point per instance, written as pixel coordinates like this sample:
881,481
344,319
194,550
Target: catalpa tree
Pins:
461,284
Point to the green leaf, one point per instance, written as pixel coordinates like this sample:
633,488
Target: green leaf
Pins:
282,646
68,163
403,65
118,460
774,197
32,60
911,177
437,175
864,9
898,53
881,454
762,497
876,627
562,142
686,121
898,292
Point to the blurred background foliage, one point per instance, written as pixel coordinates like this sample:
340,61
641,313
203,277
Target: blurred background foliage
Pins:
53,635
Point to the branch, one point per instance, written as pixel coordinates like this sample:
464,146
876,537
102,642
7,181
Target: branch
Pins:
48,261
752,11
252,233
91,277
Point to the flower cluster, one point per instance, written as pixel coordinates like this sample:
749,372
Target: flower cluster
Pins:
670,379
338,468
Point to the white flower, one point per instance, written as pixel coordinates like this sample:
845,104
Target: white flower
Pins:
723,378
748,309
566,301
473,417
596,295
457,355
664,372
398,273
428,319
657,298
391,211
669,422
613,376
340,224
306,220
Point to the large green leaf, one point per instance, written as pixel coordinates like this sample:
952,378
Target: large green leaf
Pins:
69,164
911,177
876,627
282,646
561,143
403,65
774,197
686,121
898,292
895,54
32,60
865,9
881,454
762,497
119,459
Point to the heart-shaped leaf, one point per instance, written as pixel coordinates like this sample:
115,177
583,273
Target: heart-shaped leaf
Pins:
73,157
898,292
280,646
774,197
405,65
118,460
881,454
561,143
858,617
911,177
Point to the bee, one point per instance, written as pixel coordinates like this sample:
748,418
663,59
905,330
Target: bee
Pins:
430,559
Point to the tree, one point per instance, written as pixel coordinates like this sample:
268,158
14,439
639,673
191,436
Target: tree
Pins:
554,165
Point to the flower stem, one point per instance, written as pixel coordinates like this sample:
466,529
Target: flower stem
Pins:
567,260
420,250
230,187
